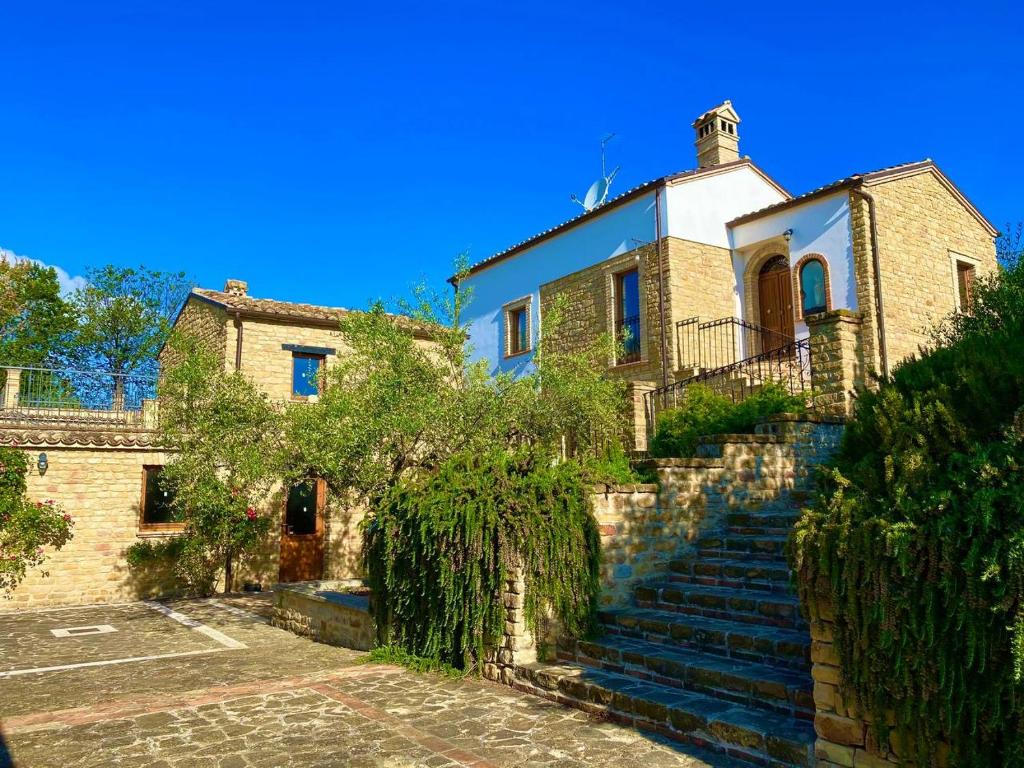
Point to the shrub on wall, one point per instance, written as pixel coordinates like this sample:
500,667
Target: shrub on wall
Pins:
917,542
705,412
441,547
27,527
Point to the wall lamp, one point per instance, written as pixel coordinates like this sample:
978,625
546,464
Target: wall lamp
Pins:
788,234
42,463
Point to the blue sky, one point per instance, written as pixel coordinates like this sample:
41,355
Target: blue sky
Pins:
335,153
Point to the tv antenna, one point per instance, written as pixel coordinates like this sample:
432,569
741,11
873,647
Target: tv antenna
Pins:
598,192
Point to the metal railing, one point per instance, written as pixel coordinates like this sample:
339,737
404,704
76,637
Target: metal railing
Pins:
75,396
627,334
788,366
727,340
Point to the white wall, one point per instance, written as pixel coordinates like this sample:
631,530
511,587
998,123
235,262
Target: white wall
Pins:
698,210
619,230
819,226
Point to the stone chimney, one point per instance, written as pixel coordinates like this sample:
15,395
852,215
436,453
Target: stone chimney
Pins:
236,287
718,138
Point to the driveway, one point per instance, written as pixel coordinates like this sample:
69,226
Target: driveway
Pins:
209,683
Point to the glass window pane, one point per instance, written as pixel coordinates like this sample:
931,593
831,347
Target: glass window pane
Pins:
628,320
521,330
300,513
158,506
305,370
812,287
629,298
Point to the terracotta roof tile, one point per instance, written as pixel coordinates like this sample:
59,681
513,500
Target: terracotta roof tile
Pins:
285,309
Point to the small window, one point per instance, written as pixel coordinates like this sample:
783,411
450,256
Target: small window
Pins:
627,315
300,510
813,296
158,509
965,274
306,374
517,329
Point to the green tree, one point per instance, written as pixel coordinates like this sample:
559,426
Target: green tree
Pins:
403,399
227,436
34,319
124,318
1010,244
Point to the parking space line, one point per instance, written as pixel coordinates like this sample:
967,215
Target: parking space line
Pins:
181,618
107,662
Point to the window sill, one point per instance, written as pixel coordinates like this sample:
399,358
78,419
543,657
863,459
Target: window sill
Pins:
155,532
513,355
629,365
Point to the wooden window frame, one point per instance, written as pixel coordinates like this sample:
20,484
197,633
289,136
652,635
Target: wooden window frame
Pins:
798,299
955,262
144,527
511,312
618,318
319,381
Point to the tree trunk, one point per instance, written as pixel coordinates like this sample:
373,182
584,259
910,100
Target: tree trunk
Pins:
229,574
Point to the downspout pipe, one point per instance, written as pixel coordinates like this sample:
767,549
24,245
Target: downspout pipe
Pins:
663,321
877,269
238,341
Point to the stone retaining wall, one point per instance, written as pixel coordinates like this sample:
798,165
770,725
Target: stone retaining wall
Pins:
324,612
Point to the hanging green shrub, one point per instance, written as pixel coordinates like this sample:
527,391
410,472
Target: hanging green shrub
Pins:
706,412
917,542
440,549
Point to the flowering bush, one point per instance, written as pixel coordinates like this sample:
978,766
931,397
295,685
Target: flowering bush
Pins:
27,528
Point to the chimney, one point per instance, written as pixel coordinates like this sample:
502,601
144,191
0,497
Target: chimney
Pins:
718,139
236,287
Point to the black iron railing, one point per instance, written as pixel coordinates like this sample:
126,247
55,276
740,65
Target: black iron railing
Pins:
627,334
717,343
788,366
52,394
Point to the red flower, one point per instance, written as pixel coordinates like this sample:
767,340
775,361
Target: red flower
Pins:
250,513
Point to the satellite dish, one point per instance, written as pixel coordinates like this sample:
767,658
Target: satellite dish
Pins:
598,192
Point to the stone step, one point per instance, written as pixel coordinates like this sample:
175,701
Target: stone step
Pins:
734,545
763,575
753,736
750,606
782,520
775,646
760,686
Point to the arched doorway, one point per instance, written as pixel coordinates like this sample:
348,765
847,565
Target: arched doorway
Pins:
775,299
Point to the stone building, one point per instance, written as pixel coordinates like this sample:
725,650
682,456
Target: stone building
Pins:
720,267
100,457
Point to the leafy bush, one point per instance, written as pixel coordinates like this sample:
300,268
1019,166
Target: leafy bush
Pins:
917,541
440,549
27,527
705,412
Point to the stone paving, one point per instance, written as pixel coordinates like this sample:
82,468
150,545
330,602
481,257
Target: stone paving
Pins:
279,701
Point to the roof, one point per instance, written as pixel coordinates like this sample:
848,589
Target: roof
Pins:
867,179
286,311
625,197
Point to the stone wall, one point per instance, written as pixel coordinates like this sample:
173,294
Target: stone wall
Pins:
325,612
838,367
921,224
98,481
205,322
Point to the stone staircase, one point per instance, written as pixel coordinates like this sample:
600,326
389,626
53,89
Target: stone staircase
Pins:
712,650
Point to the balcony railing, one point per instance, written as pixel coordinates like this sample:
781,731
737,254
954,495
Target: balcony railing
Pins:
76,397
627,334
717,343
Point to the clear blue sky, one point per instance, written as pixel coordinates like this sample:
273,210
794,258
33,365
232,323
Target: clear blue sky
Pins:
337,152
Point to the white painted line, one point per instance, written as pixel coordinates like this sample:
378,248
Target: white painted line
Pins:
237,611
97,629
181,618
62,667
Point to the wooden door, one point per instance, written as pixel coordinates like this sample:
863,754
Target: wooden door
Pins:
775,296
302,533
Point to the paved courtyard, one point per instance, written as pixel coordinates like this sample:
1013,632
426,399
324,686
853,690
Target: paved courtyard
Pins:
209,683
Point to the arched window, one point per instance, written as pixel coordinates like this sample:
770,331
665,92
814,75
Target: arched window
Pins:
812,279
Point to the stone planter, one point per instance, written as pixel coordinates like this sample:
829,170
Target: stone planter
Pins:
325,612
